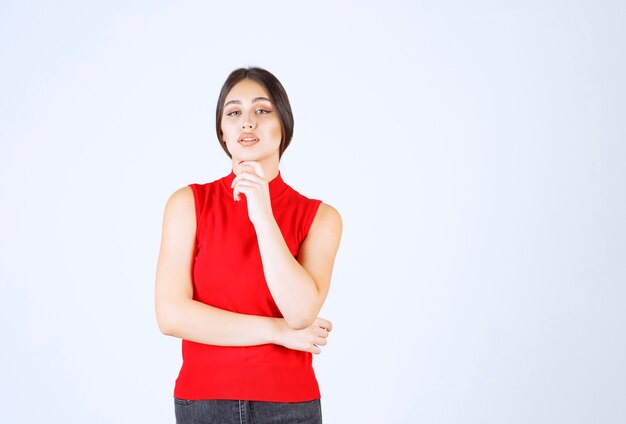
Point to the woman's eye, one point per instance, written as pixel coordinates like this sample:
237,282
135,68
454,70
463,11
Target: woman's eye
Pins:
233,113
262,111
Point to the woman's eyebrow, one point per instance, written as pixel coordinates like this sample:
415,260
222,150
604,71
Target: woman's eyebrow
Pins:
256,99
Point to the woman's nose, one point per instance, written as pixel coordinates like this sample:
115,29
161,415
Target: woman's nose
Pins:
248,125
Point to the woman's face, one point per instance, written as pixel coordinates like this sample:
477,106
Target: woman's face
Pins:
250,123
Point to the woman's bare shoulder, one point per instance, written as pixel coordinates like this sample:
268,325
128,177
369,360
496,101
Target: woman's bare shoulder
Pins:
329,211
182,193
181,202
329,217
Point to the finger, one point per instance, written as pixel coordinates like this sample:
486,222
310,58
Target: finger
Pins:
246,176
323,332
324,323
246,189
256,166
243,188
242,166
246,183
238,168
320,341
315,350
320,331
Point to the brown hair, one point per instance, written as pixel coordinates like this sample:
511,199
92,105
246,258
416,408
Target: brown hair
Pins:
277,95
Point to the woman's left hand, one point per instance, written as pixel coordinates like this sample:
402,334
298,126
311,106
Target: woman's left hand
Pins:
251,182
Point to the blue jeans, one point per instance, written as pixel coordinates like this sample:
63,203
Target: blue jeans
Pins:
246,412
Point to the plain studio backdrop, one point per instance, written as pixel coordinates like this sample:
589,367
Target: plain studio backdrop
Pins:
476,151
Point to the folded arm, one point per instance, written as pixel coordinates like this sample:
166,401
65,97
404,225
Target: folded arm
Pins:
177,313
300,285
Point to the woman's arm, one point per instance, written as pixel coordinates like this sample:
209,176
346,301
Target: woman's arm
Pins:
299,287
180,316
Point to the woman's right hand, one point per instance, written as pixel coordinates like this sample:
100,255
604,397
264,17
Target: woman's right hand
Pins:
308,339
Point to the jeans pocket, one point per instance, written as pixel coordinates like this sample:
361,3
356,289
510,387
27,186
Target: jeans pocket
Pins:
182,402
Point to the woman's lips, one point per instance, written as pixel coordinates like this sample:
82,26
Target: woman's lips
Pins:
248,139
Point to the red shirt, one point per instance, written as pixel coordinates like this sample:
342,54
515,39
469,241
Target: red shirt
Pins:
228,274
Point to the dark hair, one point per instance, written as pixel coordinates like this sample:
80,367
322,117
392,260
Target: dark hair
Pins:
276,93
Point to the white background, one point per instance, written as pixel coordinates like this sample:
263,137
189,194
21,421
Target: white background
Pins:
476,151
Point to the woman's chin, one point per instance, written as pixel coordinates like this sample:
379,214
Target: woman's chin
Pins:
248,157
252,156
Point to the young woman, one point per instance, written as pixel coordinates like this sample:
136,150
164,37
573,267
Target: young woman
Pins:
244,269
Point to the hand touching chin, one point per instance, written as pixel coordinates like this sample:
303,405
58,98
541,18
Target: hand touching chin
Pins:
251,182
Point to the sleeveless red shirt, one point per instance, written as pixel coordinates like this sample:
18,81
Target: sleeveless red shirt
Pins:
228,274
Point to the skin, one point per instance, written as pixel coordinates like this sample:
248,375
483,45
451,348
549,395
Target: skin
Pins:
299,285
